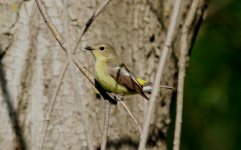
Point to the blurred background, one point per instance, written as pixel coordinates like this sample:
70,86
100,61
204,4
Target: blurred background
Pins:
212,101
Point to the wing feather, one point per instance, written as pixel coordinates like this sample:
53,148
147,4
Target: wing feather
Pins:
123,76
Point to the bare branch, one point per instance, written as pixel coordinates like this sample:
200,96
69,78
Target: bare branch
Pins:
59,38
132,117
106,125
184,45
90,21
57,35
82,69
51,105
50,24
74,81
158,76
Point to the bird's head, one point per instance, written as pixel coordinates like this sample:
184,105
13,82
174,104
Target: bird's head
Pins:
102,51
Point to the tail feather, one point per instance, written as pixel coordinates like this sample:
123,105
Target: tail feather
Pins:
148,86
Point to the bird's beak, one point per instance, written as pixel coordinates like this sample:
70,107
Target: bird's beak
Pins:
89,48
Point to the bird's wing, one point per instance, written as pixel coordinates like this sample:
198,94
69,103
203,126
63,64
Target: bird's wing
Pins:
123,76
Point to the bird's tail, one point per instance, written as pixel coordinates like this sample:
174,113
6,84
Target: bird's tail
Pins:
148,86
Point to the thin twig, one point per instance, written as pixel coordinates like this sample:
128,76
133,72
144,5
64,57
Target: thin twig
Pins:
181,72
54,30
132,117
82,69
84,117
59,38
90,21
51,104
158,76
50,24
106,125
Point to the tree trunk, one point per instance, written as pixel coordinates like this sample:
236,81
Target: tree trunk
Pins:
31,61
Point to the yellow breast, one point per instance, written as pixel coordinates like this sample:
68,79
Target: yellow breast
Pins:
107,81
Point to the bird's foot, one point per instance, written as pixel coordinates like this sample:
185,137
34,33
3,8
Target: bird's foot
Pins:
118,97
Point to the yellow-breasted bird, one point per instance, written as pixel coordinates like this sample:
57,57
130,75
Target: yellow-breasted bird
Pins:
113,75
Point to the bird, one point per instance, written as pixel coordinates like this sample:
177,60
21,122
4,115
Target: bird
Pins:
113,75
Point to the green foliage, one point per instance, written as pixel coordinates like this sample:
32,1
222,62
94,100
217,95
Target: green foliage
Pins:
212,101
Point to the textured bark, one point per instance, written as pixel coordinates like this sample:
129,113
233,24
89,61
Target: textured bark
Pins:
31,61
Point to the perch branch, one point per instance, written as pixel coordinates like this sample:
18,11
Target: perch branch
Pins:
106,125
181,72
164,55
132,117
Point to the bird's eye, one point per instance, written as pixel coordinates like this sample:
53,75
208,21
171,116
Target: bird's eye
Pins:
102,48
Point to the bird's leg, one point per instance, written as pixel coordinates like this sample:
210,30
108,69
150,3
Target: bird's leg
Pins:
118,97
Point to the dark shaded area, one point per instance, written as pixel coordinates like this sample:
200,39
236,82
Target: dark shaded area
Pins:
154,137
105,95
212,100
120,143
21,143
152,38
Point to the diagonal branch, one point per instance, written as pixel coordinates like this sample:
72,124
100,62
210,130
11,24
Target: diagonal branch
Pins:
90,21
51,105
84,117
50,24
158,76
132,117
59,38
110,98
